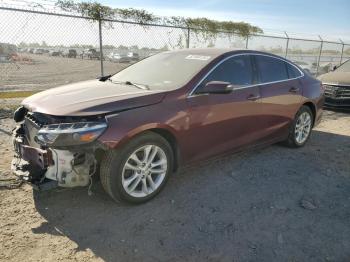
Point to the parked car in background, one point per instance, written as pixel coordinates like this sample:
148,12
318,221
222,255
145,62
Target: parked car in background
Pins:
337,86
325,67
31,50
133,56
308,67
55,53
38,51
90,53
7,51
170,109
117,57
70,53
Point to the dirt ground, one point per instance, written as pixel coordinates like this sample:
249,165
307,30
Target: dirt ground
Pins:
272,204
45,71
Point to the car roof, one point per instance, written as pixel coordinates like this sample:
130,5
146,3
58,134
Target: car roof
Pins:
216,52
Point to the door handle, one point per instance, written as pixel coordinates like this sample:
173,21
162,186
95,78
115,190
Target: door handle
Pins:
253,97
293,89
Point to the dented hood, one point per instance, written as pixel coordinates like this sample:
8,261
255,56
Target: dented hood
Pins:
91,98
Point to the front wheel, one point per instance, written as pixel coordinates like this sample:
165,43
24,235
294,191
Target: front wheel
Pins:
139,170
300,129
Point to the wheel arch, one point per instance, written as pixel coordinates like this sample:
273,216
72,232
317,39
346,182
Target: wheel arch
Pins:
313,110
170,137
165,131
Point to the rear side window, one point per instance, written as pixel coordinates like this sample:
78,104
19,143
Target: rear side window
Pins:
271,69
293,72
236,70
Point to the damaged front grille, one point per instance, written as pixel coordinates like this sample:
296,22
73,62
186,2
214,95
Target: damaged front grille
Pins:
37,120
337,91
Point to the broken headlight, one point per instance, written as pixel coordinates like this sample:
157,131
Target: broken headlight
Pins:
70,134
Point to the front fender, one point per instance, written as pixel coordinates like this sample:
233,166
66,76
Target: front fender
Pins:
121,137
172,117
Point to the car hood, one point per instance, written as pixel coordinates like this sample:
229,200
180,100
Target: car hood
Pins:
91,97
338,78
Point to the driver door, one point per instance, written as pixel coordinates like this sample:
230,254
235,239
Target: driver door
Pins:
224,122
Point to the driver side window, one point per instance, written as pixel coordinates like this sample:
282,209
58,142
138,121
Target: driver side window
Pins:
236,70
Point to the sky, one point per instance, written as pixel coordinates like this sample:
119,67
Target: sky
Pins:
300,19
329,19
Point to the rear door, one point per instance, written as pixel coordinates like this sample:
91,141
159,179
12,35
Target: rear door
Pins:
221,122
280,90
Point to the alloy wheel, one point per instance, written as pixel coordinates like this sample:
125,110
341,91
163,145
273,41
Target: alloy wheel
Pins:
144,171
303,127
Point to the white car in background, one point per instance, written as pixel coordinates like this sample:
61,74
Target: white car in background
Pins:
117,57
309,67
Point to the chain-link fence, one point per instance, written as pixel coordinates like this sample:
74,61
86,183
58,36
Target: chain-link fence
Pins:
40,50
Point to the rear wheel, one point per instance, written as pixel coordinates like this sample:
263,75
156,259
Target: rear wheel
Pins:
139,170
300,129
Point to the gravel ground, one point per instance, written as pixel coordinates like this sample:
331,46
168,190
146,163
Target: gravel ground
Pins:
272,204
46,72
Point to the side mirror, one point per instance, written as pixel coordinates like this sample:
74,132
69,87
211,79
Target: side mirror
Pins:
217,87
334,67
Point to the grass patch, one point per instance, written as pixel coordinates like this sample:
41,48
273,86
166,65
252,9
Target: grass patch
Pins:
16,94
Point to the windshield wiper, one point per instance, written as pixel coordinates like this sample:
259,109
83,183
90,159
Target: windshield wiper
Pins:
143,87
104,78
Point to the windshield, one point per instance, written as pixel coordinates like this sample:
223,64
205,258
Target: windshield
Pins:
345,67
166,71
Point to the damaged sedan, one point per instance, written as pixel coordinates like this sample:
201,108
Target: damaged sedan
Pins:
136,127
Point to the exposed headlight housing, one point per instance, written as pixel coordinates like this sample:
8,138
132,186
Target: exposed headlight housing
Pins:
70,134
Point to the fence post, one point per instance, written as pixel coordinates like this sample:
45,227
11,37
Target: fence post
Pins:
319,55
342,51
287,45
188,37
246,42
101,49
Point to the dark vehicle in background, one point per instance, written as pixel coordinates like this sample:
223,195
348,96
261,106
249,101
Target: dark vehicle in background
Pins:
118,57
7,51
337,87
138,126
38,51
133,56
55,53
70,53
90,53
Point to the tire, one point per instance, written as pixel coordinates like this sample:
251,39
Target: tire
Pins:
113,170
293,141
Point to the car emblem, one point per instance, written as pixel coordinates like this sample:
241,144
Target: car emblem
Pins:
335,92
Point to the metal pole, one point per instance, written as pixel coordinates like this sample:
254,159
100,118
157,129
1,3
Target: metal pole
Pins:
319,55
246,43
342,52
287,45
101,49
188,37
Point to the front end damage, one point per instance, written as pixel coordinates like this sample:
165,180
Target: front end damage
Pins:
55,151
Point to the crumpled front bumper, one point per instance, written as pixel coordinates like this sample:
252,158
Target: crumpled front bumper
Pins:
46,168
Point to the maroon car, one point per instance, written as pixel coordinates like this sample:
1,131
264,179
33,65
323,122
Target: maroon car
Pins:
135,128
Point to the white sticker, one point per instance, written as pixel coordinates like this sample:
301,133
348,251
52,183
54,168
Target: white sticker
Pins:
198,57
